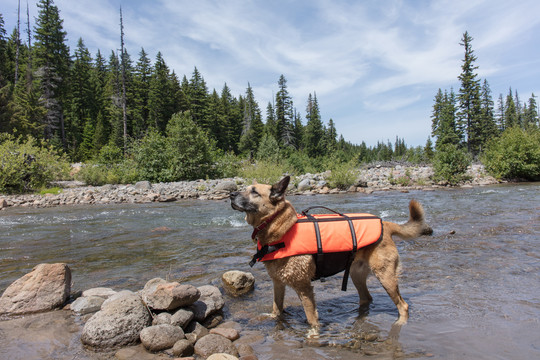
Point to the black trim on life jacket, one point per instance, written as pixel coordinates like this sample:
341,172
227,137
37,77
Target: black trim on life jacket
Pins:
266,249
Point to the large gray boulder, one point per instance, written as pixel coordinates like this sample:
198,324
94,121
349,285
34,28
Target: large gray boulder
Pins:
119,322
45,288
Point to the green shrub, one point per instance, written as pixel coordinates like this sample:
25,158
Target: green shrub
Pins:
54,190
228,165
265,172
26,165
152,159
110,154
515,154
342,175
450,164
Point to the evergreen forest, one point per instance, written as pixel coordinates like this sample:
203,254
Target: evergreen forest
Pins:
134,118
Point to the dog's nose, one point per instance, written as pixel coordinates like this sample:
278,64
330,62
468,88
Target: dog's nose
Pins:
233,194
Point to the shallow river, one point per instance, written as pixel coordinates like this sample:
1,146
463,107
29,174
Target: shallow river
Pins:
473,287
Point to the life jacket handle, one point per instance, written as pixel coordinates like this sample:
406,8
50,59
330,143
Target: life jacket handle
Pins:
305,212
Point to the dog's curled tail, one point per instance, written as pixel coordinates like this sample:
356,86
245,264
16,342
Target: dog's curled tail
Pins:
416,225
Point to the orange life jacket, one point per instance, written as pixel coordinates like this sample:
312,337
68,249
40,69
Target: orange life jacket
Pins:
331,238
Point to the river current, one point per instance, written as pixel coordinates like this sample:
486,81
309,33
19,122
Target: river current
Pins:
473,287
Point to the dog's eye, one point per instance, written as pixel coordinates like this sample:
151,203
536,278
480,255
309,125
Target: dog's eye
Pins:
254,192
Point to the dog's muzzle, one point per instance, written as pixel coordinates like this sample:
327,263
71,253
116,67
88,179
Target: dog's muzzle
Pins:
234,196
240,203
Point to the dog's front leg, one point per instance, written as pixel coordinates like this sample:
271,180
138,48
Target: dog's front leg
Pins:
279,296
305,293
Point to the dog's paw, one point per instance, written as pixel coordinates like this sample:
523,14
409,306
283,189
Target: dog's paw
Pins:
270,315
313,333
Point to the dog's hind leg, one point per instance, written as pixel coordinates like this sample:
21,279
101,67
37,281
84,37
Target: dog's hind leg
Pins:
385,269
359,273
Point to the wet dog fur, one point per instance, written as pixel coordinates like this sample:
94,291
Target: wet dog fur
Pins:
261,202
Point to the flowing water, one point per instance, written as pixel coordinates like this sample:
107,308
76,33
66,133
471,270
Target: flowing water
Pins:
473,287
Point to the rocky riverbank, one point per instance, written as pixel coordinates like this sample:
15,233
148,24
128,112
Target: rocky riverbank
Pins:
368,180
164,319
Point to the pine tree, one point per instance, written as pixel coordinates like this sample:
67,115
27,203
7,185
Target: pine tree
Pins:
501,112
123,60
510,114
141,90
488,128
3,55
159,97
436,114
27,111
314,132
230,120
444,120
284,114
428,149
519,109
331,137
81,98
215,119
52,61
101,132
469,98
198,97
252,125
113,97
531,116
298,131
270,127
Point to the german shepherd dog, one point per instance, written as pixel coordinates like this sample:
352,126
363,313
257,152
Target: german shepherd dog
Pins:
267,204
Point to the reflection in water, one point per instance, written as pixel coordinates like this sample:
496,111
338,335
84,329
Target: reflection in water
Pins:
472,287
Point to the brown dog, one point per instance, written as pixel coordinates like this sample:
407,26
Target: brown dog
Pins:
266,204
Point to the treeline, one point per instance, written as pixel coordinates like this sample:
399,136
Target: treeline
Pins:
81,103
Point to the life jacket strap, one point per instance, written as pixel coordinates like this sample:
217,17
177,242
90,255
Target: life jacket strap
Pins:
266,249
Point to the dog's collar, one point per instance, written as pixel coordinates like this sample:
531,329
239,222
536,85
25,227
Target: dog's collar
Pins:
263,225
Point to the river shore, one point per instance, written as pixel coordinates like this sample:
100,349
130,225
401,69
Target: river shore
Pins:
368,180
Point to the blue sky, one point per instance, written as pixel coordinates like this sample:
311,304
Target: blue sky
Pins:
375,65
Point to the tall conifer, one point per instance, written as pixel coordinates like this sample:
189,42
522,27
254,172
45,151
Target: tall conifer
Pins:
469,97
52,60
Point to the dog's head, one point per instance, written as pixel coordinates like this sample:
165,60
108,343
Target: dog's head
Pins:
260,200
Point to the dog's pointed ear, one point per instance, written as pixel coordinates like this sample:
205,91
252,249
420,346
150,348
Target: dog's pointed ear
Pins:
254,182
279,189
